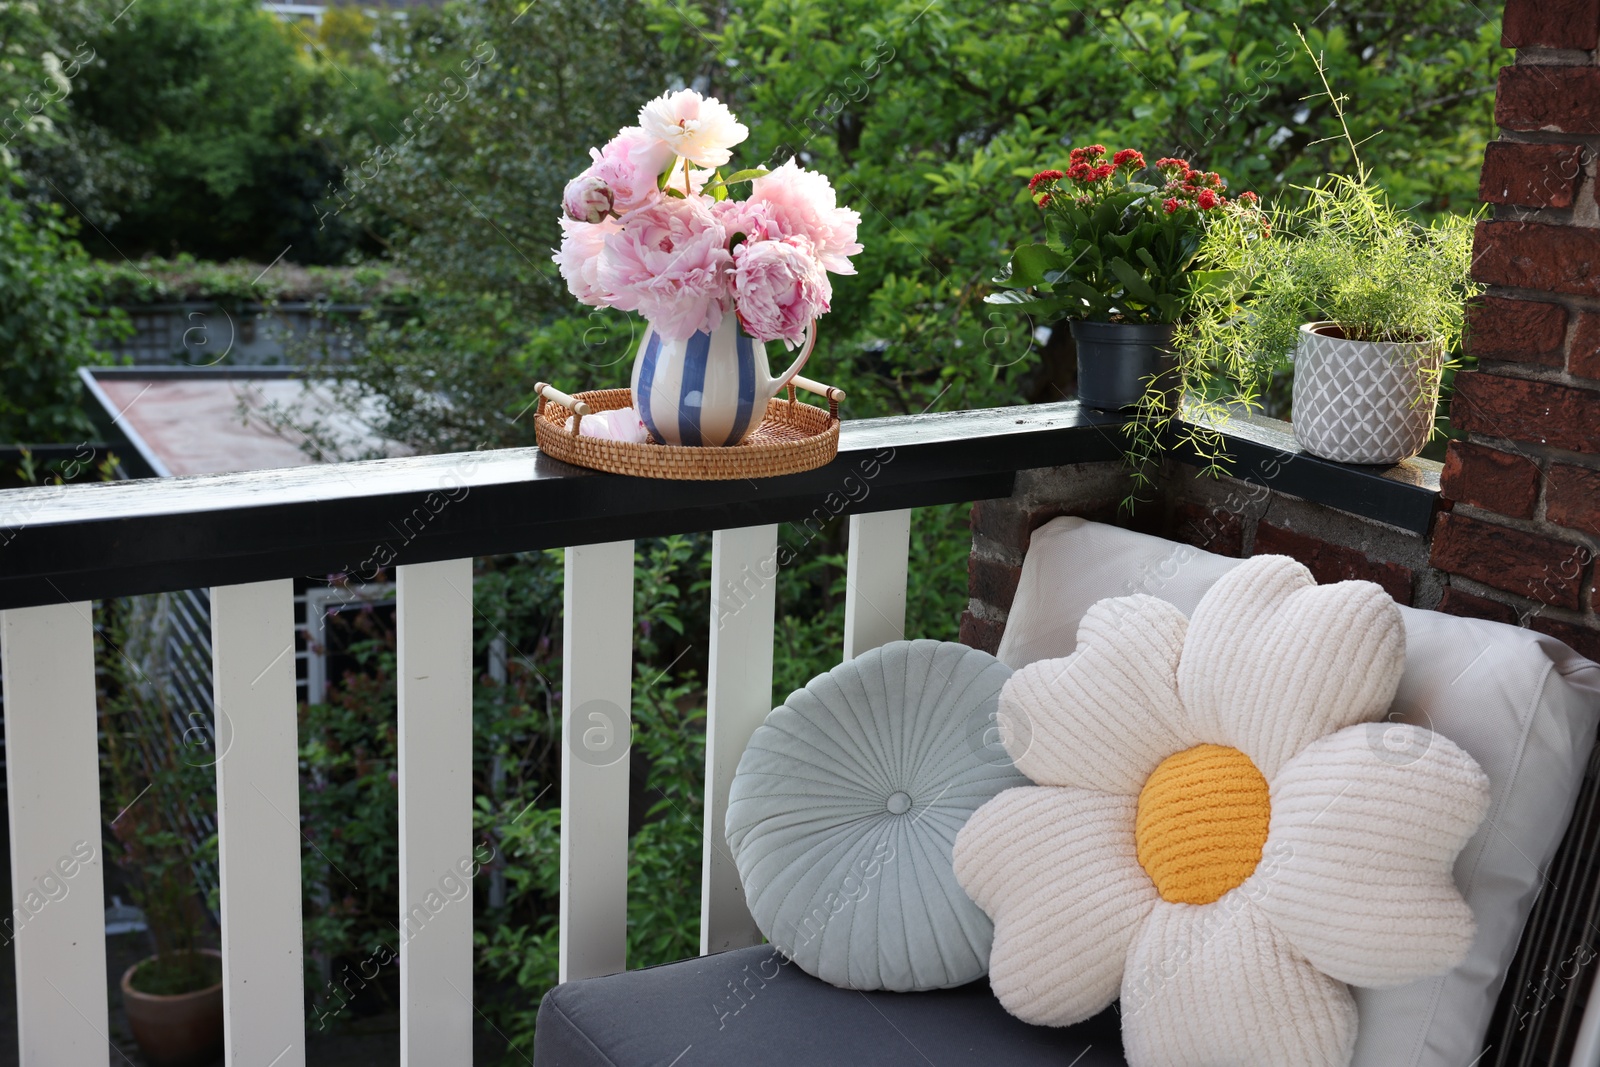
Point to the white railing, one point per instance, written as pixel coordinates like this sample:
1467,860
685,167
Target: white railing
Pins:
53,780
243,534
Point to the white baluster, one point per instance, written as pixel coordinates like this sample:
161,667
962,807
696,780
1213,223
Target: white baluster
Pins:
437,864
57,917
875,581
596,733
258,823
744,573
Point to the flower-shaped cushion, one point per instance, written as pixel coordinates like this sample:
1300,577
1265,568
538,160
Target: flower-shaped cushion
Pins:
1222,833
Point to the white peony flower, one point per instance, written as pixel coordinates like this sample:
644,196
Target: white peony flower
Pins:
700,130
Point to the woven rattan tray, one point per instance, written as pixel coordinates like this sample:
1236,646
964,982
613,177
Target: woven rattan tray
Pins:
793,437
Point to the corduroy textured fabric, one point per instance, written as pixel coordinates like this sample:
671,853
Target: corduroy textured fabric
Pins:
1202,820
1354,883
846,805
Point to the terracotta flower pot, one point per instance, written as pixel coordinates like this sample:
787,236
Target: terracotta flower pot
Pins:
182,1030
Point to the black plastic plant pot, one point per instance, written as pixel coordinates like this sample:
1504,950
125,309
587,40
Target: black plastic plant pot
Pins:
1117,361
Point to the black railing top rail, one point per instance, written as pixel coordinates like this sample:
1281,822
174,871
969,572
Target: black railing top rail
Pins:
82,542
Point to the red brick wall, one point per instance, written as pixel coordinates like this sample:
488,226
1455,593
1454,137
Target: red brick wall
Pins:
1519,527
1524,486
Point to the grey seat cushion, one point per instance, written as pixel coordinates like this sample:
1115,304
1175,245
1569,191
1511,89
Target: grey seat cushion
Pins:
751,1007
847,803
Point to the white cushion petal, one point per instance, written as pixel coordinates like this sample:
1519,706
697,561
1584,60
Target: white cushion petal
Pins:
1366,825
1056,870
1274,661
1105,716
1218,985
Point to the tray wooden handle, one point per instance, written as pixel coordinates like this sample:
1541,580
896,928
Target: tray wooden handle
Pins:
834,395
547,392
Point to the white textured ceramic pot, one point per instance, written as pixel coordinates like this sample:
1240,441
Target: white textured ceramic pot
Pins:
1363,401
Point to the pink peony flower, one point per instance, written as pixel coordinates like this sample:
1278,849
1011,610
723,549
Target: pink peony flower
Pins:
700,130
619,424
587,198
780,287
669,261
802,204
579,259
753,218
630,167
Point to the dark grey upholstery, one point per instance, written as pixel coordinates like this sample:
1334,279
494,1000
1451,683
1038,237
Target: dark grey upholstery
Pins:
752,1007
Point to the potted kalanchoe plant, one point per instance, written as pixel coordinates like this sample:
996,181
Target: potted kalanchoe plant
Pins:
1119,262
652,226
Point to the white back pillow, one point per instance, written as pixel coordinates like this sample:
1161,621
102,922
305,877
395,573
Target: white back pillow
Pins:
1521,703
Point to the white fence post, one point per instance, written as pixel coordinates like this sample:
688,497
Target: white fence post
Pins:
258,823
744,578
57,917
596,734
875,581
437,863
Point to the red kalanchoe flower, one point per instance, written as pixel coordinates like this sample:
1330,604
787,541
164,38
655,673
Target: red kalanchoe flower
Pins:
1207,200
1129,156
1045,199
1104,171
1173,163
1250,198
1214,180
1075,156
1094,151
1043,176
1195,176
1171,204
1081,172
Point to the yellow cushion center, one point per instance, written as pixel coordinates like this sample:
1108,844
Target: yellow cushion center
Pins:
1202,822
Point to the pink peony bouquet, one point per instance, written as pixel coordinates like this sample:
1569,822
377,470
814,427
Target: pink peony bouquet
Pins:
650,226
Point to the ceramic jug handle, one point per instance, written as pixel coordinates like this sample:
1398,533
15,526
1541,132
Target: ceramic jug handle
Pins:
805,353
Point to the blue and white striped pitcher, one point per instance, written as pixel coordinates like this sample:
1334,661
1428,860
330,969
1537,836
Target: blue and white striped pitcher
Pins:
709,390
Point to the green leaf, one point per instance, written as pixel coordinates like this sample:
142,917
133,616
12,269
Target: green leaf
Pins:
1093,297
1133,282
1202,282
1048,306
1030,262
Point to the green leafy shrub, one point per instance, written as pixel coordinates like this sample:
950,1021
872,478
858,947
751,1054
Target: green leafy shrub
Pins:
1349,256
184,279
51,323
221,126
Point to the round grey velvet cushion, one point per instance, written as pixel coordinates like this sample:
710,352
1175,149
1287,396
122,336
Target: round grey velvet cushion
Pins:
846,805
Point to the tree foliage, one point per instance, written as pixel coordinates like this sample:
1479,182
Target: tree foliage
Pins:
51,322
925,114
215,127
